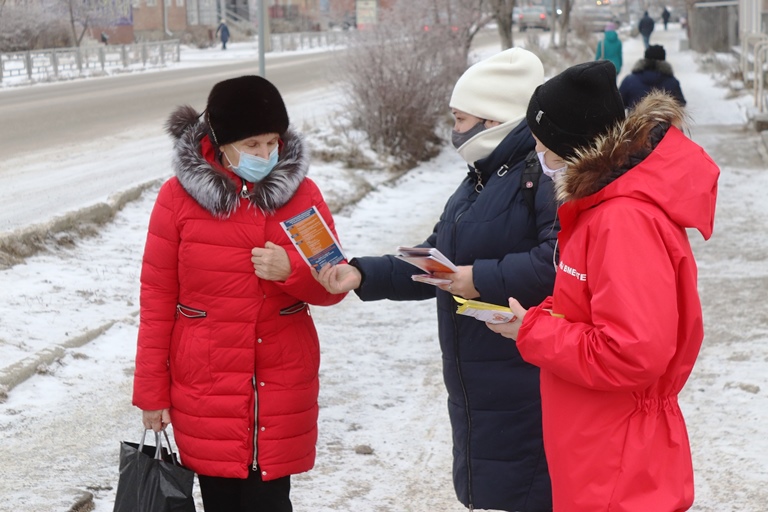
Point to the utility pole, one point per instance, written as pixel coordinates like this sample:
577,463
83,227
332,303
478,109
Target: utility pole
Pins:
262,38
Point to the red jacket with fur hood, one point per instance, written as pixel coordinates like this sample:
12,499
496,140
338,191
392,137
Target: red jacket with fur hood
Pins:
617,340
223,349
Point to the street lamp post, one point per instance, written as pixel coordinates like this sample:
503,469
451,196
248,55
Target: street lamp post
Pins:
262,38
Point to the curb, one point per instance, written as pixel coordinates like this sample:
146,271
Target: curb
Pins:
22,243
13,375
27,241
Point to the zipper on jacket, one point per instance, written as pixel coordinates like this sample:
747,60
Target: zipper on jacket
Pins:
461,380
244,190
291,310
469,416
554,255
255,425
479,185
189,312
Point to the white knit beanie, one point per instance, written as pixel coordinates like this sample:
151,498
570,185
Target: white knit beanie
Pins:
497,89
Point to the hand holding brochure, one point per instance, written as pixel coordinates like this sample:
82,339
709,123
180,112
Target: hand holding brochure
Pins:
429,260
429,279
312,238
484,311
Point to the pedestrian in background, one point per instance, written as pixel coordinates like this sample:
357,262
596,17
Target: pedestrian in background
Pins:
223,33
230,356
502,246
665,14
645,27
609,48
618,338
650,73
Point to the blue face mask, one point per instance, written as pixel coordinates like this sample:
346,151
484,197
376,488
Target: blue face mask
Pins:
254,168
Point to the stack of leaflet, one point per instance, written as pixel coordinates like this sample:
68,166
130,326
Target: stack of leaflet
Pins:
484,311
429,260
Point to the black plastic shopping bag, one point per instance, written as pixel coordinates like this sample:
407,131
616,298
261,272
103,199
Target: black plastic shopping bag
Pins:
152,480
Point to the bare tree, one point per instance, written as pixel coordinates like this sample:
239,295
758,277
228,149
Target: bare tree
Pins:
565,21
399,76
78,15
502,12
83,14
464,17
30,26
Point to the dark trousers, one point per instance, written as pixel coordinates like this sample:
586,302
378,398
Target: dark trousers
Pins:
249,495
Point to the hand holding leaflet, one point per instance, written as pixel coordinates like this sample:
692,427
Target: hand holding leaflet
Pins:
429,260
483,311
312,238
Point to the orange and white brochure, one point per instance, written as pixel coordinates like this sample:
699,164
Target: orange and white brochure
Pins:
313,239
429,260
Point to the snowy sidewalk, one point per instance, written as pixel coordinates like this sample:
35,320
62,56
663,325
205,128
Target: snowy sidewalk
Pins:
381,382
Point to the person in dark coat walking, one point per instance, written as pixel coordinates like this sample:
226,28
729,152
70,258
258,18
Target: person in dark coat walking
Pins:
652,72
645,27
501,246
665,17
224,31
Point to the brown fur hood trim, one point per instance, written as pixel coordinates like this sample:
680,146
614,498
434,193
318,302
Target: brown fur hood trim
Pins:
216,191
662,66
624,146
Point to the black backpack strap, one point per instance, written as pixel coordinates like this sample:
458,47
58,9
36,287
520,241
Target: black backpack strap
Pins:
529,180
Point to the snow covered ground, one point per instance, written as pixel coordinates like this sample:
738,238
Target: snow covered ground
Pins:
381,383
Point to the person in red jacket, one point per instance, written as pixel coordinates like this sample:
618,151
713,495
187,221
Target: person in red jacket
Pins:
229,355
619,336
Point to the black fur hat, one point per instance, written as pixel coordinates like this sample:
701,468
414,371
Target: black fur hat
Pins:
569,110
655,52
242,107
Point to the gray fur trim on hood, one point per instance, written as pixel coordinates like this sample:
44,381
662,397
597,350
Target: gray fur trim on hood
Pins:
217,192
621,148
662,66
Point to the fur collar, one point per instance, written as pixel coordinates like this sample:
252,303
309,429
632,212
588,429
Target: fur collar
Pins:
662,66
621,148
216,190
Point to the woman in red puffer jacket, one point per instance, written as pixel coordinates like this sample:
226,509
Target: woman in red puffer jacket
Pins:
230,356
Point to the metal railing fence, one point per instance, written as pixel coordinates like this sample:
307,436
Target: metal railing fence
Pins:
60,63
293,41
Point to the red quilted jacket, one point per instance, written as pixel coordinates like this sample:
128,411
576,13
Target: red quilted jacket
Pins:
619,337
234,357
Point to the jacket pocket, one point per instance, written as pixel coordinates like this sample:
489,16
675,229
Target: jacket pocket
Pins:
190,361
189,312
295,308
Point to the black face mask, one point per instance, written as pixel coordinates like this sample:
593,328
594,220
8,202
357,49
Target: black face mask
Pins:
459,138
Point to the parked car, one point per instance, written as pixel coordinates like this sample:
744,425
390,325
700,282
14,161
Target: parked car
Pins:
516,15
594,19
533,16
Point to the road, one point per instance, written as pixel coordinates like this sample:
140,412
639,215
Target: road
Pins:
81,110
76,144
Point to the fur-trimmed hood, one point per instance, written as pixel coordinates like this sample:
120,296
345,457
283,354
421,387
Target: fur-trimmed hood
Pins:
662,66
648,157
218,191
